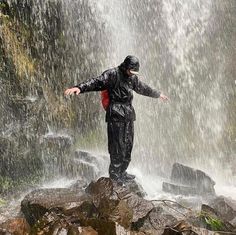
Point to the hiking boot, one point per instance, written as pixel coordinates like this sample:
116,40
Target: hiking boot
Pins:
128,177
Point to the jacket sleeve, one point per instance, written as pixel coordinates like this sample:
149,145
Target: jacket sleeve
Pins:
95,84
143,89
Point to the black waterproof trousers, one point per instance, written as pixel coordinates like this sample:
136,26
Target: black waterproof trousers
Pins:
120,144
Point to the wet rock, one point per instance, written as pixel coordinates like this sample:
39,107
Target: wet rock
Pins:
225,207
56,223
99,190
179,189
136,188
118,203
16,226
104,188
87,165
189,181
40,201
139,206
212,220
55,150
157,219
19,166
79,184
104,208
88,231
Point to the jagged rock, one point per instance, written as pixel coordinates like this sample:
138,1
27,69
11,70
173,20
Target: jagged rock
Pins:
118,201
52,223
86,165
108,203
105,188
16,226
157,219
40,201
136,188
101,189
225,207
188,181
213,221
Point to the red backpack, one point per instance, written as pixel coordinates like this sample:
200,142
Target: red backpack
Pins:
105,94
105,99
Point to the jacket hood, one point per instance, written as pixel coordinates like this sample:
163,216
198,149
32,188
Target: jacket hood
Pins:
130,62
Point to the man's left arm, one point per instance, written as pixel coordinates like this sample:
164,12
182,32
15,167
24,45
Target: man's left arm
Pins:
143,89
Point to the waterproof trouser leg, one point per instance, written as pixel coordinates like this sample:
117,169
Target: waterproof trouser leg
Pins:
120,144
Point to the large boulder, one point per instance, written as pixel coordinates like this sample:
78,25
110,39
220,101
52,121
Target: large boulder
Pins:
40,201
189,181
105,208
225,207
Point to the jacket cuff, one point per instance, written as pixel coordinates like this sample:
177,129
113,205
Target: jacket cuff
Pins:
80,86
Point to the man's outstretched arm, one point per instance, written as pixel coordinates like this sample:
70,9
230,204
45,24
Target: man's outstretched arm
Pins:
143,89
95,84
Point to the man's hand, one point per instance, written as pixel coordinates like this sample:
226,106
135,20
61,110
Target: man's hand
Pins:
73,90
163,97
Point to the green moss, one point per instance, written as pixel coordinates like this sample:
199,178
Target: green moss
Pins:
8,185
212,223
2,202
2,5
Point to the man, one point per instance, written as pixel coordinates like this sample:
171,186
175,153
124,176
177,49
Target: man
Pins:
120,115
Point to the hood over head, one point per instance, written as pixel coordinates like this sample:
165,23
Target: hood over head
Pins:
131,63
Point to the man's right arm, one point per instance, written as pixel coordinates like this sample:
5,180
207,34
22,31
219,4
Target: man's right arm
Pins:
99,83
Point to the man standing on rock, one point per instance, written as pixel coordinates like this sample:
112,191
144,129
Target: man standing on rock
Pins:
119,84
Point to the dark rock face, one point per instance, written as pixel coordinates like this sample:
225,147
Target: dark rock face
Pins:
35,70
188,181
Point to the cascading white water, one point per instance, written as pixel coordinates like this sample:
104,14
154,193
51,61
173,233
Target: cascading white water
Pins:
174,40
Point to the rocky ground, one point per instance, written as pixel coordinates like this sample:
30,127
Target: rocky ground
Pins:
104,208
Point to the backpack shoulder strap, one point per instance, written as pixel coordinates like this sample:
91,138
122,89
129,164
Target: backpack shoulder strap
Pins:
117,82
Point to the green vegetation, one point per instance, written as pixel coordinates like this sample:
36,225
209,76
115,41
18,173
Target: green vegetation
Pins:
212,223
2,202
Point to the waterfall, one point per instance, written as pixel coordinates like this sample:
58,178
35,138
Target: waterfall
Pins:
186,49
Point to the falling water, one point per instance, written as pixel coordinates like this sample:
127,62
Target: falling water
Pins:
186,49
